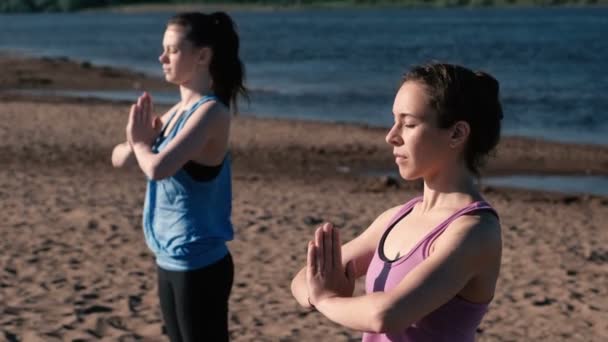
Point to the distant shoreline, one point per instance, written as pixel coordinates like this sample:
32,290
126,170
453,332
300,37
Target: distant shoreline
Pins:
76,6
53,75
517,154
438,4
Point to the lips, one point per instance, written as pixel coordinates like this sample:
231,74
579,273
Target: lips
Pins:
399,157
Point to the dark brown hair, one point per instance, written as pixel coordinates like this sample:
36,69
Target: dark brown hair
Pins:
460,94
217,31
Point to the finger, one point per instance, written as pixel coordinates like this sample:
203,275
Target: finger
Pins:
328,246
319,250
144,102
150,105
140,101
337,250
131,112
157,123
138,118
311,262
129,127
131,115
145,114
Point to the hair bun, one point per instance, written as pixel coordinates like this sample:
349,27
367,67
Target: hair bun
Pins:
488,82
489,86
221,19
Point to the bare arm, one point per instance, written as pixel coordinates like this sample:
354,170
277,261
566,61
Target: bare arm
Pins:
122,154
360,251
462,252
211,121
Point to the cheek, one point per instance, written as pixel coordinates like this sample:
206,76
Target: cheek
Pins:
424,145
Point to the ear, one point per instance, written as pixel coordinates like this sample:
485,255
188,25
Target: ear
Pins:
460,134
205,55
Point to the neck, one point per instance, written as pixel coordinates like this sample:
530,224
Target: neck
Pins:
450,189
193,90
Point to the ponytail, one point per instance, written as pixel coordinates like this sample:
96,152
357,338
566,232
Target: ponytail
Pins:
218,31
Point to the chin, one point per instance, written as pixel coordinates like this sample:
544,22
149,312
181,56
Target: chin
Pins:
407,175
170,79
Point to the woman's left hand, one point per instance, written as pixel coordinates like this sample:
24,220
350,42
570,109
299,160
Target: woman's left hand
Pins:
143,126
326,277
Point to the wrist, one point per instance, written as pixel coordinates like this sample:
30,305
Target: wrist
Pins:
322,302
140,146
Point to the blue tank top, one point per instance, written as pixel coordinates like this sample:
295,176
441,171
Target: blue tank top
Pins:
186,222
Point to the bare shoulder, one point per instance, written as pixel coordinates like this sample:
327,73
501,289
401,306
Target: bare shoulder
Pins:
372,234
479,232
378,226
384,218
214,110
166,115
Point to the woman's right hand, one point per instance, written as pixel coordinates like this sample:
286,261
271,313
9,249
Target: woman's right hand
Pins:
143,126
326,277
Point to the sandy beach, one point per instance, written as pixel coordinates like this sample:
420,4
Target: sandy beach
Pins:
74,265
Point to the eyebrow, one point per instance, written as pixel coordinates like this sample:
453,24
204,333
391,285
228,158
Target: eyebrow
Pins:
403,115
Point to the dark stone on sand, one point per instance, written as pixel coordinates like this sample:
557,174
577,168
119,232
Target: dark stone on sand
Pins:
312,221
134,302
262,229
597,256
389,181
116,323
90,296
544,302
92,224
96,309
576,295
10,270
571,273
10,336
571,199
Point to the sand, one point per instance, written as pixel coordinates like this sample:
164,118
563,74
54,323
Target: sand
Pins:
74,265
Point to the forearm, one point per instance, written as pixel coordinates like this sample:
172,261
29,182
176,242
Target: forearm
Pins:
147,160
122,155
359,313
299,290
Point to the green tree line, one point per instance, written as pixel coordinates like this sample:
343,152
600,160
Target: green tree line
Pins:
75,5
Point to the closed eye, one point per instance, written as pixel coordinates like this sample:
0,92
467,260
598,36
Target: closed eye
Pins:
169,49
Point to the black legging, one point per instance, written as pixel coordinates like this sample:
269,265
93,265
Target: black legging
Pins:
195,303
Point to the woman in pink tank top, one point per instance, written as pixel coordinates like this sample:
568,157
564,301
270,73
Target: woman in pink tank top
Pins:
431,264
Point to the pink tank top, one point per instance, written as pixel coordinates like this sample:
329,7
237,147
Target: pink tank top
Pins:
456,320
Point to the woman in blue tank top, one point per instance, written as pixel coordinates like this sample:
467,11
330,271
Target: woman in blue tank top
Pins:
184,156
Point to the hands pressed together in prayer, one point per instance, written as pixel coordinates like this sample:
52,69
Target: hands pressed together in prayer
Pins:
143,126
326,277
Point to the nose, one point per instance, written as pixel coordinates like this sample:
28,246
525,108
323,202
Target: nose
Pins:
162,58
392,137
